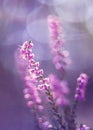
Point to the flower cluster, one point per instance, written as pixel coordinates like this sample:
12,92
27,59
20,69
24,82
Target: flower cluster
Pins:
61,56
32,75
44,123
32,95
40,92
59,90
81,86
28,56
84,127
34,78
36,84
38,87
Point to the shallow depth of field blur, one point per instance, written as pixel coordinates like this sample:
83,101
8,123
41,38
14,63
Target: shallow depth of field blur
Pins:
22,20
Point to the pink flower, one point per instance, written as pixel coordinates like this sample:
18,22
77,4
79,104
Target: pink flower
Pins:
33,71
83,127
38,87
61,56
35,83
59,89
33,77
44,124
81,86
32,95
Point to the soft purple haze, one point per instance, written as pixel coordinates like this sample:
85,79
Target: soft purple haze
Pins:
27,20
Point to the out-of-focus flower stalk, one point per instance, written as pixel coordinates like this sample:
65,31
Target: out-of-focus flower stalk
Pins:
60,90
81,87
82,81
61,57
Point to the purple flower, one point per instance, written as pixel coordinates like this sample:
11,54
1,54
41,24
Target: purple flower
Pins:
44,124
59,89
34,79
35,84
32,95
83,127
38,88
81,86
32,66
61,56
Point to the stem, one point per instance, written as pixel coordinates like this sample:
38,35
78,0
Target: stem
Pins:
72,125
74,108
54,108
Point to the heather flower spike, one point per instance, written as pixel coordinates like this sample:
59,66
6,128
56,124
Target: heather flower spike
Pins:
61,57
81,86
60,90
79,96
31,93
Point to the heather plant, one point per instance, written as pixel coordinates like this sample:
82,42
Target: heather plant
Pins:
61,57
48,97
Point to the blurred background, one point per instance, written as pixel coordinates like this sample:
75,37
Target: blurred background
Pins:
22,20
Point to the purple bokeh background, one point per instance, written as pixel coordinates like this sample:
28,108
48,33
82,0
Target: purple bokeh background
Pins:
25,20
